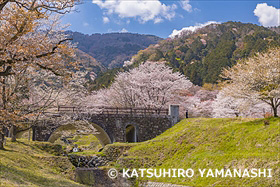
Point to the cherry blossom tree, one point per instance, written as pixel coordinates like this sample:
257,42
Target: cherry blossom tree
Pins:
202,109
200,104
31,40
152,84
226,106
256,78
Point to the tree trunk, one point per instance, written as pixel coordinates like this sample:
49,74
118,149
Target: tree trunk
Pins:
13,133
29,133
2,139
275,111
274,103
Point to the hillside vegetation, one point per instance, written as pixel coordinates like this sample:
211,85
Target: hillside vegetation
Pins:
88,63
112,49
211,144
201,55
25,163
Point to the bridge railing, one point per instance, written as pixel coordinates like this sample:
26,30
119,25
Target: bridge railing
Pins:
114,110
131,111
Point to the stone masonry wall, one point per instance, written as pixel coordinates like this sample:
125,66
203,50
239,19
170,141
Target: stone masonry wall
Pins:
147,127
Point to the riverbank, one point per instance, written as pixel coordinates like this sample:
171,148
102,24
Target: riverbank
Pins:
26,163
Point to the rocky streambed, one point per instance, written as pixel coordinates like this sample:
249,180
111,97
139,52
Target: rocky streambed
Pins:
88,161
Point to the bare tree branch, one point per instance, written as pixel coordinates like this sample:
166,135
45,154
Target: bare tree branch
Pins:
7,72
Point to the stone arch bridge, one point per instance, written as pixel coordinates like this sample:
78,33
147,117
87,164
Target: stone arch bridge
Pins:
113,124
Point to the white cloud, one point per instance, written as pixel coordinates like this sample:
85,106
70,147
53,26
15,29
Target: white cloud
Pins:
268,15
106,20
158,20
123,30
191,28
142,10
186,5
85,24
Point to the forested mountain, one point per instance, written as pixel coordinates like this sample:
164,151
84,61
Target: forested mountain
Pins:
89,64
276,29
201,55
112,49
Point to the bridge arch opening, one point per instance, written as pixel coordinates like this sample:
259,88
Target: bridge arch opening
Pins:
60,131
100,134
131,133
27,133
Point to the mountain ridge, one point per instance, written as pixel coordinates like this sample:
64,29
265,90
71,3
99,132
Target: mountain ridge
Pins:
112,49
201,55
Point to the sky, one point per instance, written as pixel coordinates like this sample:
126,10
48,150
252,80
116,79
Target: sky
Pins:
166,18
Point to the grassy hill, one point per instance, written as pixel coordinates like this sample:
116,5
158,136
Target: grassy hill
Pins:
211,144
237,143
25,163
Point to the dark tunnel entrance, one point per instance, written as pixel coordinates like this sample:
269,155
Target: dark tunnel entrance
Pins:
131,133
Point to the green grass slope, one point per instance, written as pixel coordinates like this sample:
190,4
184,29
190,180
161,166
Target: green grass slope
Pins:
25,163
212,144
